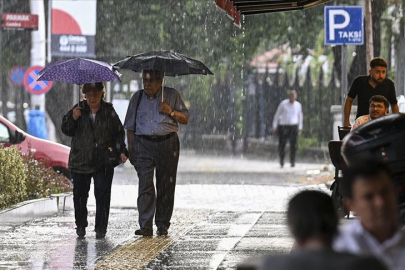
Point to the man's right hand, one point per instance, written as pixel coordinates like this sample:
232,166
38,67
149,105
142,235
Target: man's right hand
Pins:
347,123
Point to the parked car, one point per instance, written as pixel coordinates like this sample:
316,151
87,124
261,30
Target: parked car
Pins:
53,154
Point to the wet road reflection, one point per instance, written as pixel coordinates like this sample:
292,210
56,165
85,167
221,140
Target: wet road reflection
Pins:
80,258
52,243
87,253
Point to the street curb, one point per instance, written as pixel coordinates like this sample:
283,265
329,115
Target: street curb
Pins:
38,208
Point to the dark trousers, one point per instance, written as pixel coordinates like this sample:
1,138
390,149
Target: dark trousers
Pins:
287,133
162,156
102,192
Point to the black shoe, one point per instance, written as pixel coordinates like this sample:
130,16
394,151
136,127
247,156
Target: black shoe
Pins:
292,165
81,231
100,235
162,231
144,232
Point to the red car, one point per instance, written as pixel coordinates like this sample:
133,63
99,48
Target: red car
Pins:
53,154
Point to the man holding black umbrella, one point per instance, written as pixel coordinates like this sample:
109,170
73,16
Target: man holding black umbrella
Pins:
152,124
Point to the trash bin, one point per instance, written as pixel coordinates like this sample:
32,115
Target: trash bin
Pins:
36,124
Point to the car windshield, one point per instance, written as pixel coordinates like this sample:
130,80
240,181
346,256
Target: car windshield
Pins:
4,133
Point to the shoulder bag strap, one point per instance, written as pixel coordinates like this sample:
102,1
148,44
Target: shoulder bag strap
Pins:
137,105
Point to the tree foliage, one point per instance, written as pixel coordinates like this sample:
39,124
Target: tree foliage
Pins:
202,31
12,177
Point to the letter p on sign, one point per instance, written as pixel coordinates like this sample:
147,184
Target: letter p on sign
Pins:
333,24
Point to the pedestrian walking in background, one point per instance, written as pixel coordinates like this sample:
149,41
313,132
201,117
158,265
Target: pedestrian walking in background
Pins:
313,222
287,122
369,191
364,87
93,123
152,126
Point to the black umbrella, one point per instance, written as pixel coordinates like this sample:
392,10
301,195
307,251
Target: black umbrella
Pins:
171,63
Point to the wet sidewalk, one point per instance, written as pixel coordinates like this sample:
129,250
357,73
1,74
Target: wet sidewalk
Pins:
214,226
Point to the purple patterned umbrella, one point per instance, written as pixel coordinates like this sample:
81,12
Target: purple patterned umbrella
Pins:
79,71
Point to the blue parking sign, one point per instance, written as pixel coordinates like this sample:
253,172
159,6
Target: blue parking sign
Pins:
344,25
17,76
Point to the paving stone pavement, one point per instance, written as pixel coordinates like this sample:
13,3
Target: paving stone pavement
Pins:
207,231
214,226
215,240
138,252
208,237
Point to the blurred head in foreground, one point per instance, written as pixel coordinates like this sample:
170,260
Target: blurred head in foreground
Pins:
312,217
369,191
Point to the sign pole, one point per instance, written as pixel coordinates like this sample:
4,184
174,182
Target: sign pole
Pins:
38,52
2,91
49,55
344,81
344,25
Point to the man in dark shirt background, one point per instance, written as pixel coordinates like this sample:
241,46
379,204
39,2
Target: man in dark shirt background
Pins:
364,87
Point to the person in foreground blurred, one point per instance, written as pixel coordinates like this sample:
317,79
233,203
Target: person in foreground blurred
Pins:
369,191
92,123
378,107
313,222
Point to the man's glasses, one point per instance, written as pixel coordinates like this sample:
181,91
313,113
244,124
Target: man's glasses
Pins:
376,107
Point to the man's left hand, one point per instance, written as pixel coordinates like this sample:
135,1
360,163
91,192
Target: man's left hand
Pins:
165,108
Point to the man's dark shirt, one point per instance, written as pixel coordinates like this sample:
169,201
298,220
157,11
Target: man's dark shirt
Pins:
362,88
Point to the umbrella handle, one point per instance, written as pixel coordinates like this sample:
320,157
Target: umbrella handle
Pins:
78,102
163,87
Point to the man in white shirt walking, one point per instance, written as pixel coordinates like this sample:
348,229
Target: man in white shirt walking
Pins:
370,192
288,123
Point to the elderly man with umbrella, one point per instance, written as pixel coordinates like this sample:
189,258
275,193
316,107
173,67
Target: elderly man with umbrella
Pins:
151,123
